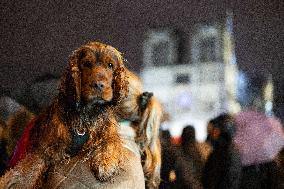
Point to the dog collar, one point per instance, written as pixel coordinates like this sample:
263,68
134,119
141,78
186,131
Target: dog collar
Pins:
78,139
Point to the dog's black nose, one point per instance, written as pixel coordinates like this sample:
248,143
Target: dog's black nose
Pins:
99,85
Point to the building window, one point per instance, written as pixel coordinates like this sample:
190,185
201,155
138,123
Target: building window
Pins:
160,48
206,45
207,53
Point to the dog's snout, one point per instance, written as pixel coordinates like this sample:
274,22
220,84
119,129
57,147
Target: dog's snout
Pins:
99,85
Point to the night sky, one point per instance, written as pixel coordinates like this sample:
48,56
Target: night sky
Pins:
37,36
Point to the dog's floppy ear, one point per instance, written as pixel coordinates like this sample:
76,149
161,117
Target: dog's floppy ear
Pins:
148,131
71,81
120,82
129,108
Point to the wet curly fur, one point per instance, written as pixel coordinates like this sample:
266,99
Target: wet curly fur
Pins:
91,90
145,113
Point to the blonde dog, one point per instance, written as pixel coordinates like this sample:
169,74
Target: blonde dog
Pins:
145,113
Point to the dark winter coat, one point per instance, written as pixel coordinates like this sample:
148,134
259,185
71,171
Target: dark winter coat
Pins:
189,165
223,168
262,176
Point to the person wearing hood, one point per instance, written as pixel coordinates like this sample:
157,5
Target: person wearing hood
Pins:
223,167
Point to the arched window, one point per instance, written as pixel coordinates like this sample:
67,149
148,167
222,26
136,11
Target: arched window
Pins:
206,44
160,48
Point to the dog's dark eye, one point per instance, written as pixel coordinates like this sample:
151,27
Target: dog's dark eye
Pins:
110,65
88,64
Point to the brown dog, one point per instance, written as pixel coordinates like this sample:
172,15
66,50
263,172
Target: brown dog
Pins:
78,131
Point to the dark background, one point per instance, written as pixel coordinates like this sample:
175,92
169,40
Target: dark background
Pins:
37,36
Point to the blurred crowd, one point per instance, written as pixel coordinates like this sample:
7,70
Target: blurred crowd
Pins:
241,151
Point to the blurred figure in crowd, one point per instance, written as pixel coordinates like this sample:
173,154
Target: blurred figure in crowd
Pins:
16,124
11,128
223,167
190,161
213,133
280,164
209,132
8,106
3,151
168,176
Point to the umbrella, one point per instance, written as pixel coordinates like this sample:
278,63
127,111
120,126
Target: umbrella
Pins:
258,138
